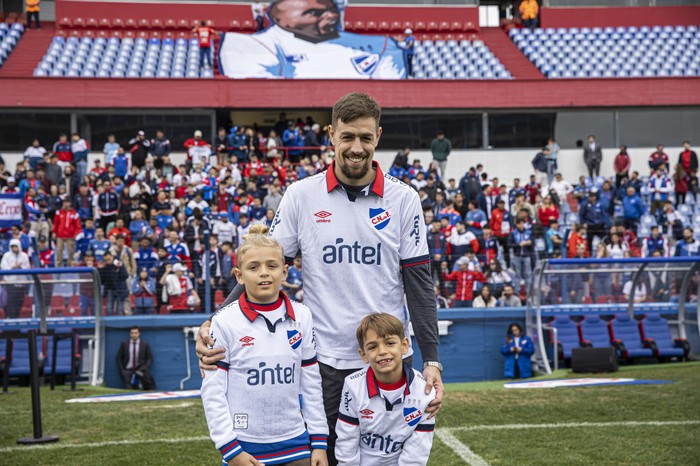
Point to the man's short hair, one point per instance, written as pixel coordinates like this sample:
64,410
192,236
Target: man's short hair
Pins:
134,327
355,105
384,325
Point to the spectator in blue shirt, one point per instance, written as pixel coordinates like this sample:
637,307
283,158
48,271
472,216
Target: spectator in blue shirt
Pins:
292,138
632,208
553,238
294,283
688,246
110,149
99,245
594,217
409,43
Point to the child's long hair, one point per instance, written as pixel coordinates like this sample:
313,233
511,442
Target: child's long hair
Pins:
257,237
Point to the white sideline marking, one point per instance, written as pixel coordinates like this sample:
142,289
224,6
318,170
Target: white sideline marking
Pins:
572,425
459,448
471,458
55,446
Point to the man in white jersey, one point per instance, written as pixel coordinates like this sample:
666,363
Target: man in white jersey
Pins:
303,41
361,236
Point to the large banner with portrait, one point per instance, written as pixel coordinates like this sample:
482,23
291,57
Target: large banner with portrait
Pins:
304,41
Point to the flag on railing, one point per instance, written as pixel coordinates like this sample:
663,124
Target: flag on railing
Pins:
10,210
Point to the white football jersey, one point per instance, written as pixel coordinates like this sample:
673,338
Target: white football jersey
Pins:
277,53
254,395
384,426
353,253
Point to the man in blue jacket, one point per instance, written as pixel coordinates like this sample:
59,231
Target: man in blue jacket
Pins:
292,138
594,217
632,208
688,246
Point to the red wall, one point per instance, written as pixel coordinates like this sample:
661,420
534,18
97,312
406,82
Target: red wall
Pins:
222,15
620,16
226,93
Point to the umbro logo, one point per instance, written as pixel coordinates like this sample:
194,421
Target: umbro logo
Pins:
247,341
322,216
367,414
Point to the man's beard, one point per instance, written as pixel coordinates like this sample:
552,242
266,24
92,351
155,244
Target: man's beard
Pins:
352,174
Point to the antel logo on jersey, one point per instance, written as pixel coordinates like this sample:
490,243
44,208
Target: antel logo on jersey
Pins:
247,341
367,414
412,416
294,338
380,218
341,253
323,216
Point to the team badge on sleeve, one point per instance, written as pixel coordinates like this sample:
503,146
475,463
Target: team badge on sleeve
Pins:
380,218
294,338
412,416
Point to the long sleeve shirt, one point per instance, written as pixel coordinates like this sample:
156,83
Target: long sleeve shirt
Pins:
270,365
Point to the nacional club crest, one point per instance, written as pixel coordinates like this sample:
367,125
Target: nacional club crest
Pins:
380,218
365,63
412,416
294,338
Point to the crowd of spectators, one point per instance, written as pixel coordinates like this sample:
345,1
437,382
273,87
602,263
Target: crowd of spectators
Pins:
152,228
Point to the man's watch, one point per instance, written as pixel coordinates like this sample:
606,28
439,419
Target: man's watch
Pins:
433,364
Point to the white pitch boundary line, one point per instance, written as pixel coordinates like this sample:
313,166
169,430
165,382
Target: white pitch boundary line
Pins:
572,425
459,448
472,459
56,446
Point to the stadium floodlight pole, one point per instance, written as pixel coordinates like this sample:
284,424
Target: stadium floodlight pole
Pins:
36,396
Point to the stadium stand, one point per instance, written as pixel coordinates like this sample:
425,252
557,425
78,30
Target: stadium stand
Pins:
621,52
10,35
454,59
126,57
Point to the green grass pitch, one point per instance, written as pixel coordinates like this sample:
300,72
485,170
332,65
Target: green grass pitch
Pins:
479,416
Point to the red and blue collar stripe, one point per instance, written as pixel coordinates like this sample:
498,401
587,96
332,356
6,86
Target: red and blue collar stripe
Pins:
373,383
253,314
377,184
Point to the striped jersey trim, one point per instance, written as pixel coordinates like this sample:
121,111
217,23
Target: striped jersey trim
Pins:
353,421
413,261
230,450
222,365
309,362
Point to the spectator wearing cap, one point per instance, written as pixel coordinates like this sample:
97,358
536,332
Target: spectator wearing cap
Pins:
66,226
34,154
14,259
408,45
139,148
11,186
198,150
177,287
113,276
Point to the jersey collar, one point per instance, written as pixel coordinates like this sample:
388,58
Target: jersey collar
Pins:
373,385
252,314
377,184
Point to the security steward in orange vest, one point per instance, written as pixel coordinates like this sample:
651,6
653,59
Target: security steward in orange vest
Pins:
33,10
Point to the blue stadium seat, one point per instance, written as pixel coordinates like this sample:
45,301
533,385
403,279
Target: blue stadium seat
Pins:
594,331
567,336
63,352
625,335
656,334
